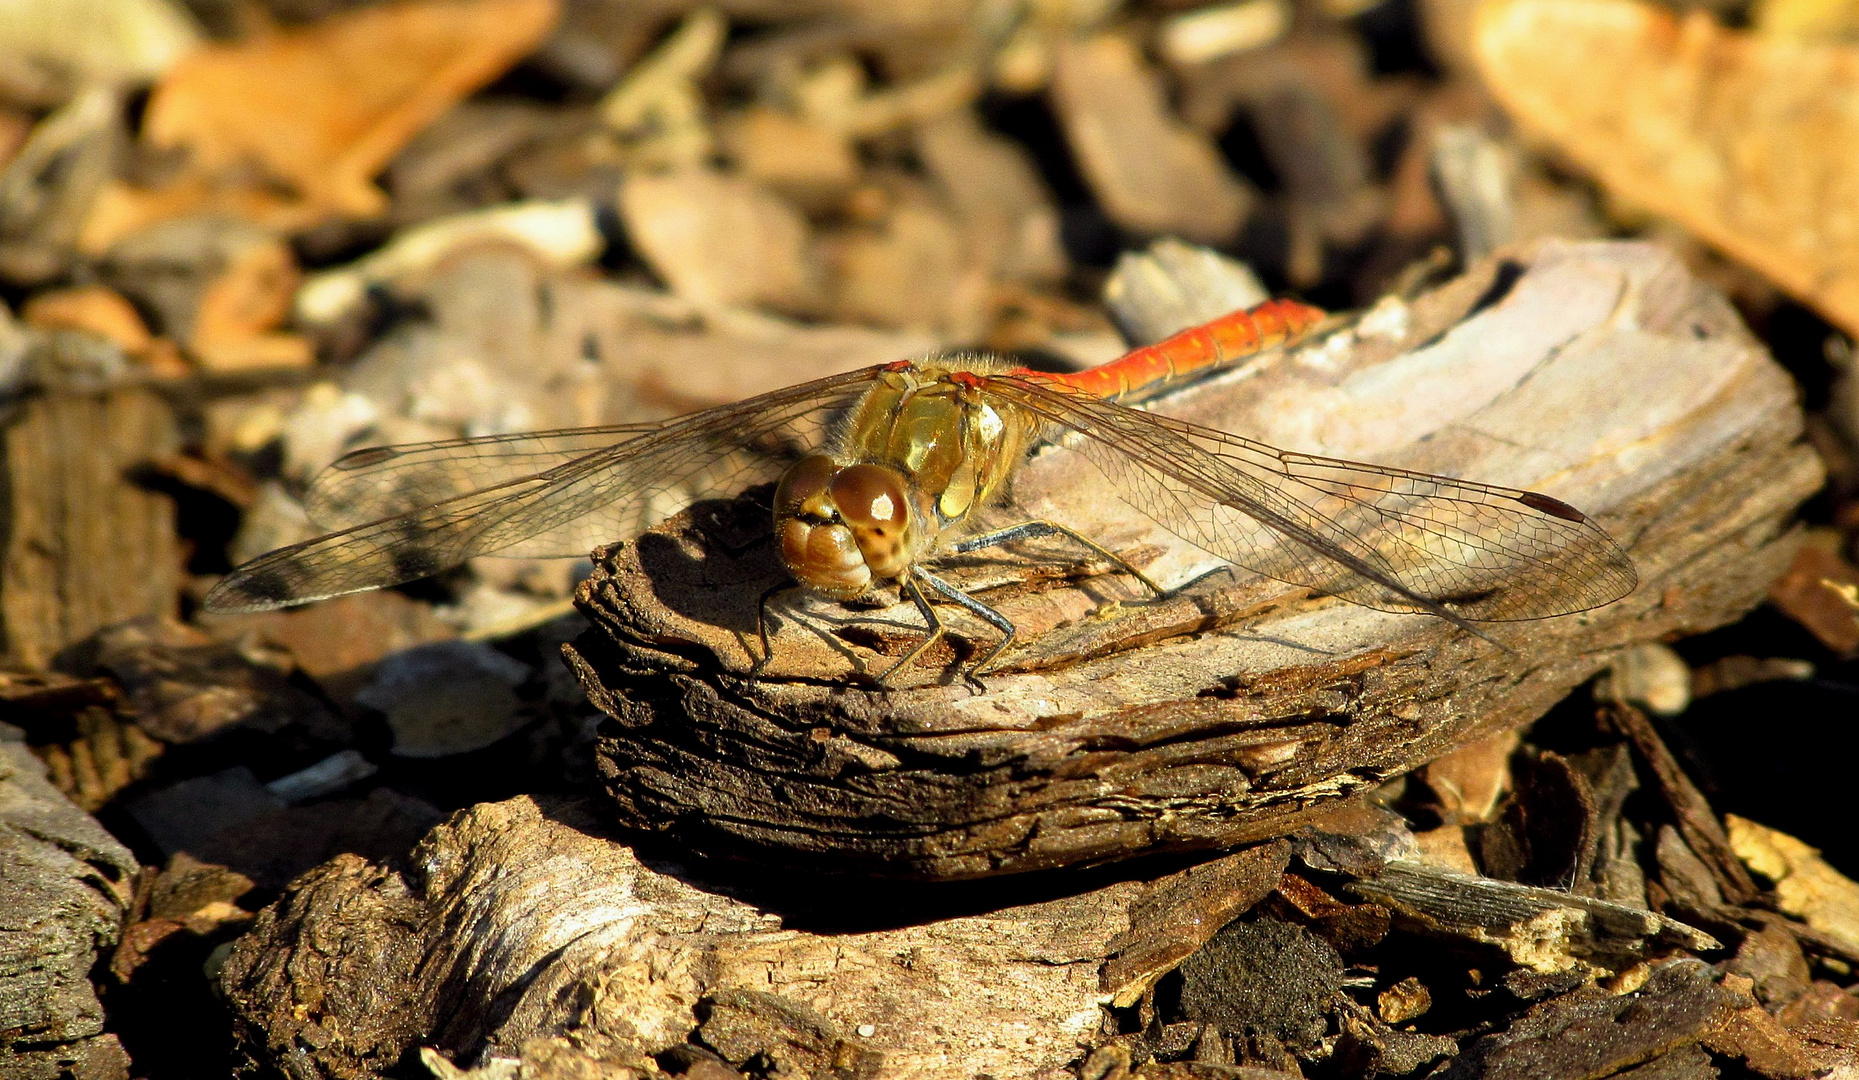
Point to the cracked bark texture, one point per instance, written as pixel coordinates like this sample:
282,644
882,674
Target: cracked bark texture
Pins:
524,930
1597,372
529,937
65,886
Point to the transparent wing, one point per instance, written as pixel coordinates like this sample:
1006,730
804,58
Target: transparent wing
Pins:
382,481
596,498
1385,538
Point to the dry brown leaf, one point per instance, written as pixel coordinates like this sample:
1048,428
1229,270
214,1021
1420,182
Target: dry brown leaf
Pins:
93,309
319,111
240,309
1809,593
1747,142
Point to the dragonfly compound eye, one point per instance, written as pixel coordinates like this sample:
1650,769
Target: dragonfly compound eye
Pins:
817,547
873,504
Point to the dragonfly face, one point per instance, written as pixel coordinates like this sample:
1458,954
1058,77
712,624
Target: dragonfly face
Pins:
918,456
843,528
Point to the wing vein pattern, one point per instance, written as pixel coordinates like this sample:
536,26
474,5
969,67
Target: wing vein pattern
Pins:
1381,537
584,498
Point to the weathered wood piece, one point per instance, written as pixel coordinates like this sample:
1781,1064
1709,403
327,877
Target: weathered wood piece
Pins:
1593,1034
65,886
1544,930
516,924
86,546
1179,913
1597,372
530,932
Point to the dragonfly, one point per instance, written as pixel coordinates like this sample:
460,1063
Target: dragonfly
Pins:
883,472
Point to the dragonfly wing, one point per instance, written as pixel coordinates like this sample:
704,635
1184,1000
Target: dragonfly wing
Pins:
1385,538
382,481
599,497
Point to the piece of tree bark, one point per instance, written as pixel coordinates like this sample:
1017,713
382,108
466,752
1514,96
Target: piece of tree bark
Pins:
65,886
515,924
86,546
1591,1033
530,932
1600,373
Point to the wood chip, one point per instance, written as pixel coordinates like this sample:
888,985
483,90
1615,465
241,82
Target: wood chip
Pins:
1543,930
1152,174
1179,913
1468,782
1696,821
66,887
1579,1036
1745,141
88,546
721,240
927,991
186,687
1195,37
103,41
1805,885
1403,1001
1767,1048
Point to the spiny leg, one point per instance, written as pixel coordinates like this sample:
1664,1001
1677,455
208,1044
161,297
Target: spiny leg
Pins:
915,593
979,609
1032,530
761,623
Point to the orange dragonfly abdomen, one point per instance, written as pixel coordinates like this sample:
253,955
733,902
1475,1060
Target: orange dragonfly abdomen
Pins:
1225,339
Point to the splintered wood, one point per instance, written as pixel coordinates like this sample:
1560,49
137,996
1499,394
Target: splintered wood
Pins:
1598,373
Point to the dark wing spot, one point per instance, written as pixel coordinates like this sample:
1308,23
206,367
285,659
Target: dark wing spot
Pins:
413,561
361,459
266,586
1552,507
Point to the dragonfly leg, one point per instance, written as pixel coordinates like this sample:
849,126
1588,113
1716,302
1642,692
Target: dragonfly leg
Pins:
915,593
979,609
1032,530
761,624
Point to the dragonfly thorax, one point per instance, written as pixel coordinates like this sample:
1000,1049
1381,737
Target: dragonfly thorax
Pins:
841,528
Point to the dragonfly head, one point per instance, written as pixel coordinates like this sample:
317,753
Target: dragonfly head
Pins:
842,527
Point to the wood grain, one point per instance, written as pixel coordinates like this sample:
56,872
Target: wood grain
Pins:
85,544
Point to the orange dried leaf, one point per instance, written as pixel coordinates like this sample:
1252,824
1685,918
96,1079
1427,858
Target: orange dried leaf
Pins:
250,296
318,111
1747,142
92,309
